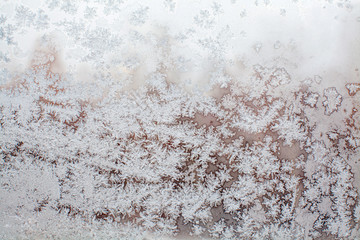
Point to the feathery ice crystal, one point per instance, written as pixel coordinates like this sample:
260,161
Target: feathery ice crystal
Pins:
140,150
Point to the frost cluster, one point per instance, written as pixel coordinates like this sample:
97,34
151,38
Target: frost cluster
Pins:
120,123
158,160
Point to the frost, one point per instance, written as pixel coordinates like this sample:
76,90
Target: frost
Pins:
24,16
89,13
111,6
311,99
357,213
279,77
205,19
68,7
139,16
170,4
353,88
333,100
100,40
202,128
42,20
219,78
290,129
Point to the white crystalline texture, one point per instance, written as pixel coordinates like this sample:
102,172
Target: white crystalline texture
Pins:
139,16
159,158
332,100
353,88
279,77
311,99
202,129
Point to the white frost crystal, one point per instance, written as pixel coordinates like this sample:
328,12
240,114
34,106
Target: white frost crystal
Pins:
117,122
333,100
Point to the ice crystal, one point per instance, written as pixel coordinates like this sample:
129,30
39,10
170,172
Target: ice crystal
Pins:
311,99
353,88
139,16
121,124
333,100
24,16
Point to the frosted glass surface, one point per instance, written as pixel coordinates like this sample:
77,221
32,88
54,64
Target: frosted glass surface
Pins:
169,119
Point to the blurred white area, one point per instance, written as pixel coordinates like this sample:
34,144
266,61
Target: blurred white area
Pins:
308,37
